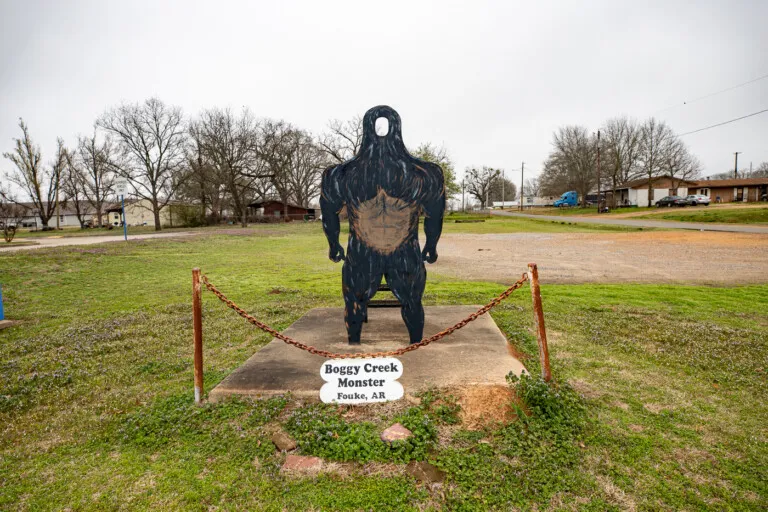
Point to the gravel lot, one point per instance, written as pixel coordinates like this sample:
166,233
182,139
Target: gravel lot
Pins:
688,257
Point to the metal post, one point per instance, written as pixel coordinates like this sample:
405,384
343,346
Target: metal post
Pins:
538,317
2,313
197,328
125,225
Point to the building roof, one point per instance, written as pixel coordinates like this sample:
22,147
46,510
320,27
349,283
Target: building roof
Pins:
64,208
644,181
735,182
259,204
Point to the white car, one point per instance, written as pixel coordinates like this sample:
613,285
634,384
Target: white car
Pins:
697,199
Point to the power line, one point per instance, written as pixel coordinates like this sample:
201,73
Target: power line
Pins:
724,122
713,94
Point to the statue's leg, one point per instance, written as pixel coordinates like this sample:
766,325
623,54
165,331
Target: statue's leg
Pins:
408,287
356,285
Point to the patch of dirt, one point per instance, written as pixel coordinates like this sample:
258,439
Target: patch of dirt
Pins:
690,257
485,406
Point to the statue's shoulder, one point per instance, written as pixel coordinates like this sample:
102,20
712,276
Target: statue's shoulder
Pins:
334,172
429,169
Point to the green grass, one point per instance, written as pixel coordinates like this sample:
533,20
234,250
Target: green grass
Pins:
713,214
96,407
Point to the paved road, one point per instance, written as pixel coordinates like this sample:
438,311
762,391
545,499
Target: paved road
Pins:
44,242
644,223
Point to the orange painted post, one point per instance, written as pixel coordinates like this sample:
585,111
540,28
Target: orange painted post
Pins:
197,328
538,317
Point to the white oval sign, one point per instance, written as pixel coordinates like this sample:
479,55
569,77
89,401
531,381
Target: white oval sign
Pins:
359,381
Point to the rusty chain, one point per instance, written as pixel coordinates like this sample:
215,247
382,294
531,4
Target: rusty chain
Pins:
354,355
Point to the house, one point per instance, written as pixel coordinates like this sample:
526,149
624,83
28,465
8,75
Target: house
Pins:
67,216
732,190
138,212
635,193
274,209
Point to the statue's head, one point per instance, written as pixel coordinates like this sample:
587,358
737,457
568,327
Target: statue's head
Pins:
393,137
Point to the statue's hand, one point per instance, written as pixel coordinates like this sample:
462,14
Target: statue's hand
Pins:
429,254
336,253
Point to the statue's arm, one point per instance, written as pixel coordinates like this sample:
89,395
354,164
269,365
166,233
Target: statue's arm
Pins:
434,209
331,204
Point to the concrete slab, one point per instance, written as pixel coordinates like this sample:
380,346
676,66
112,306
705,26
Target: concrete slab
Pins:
477,354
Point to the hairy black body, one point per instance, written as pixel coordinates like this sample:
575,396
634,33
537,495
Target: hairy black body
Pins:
385,189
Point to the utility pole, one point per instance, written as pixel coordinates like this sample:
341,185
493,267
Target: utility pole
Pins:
736,164
522,181
502,189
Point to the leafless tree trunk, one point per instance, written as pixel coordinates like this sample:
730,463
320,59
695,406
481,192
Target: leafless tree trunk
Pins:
39,183
73,185
306,163
680,164
655,139
11,214
621,148
277,147
152,139
97,162
342,140
231,143
575,151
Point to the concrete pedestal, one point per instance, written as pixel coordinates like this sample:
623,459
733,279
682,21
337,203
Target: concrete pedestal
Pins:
476,354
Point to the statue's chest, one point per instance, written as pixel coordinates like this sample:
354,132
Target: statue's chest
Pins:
384,222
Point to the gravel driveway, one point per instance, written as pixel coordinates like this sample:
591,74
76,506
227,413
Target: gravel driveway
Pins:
650,257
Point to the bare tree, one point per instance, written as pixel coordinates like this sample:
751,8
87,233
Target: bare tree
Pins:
306,164
679,164
38,182
655,140
571,165
621,151
204,183
231,143
73,185
439,156
342,140
151,137
11,214
277,146
480,181
533,187
96,163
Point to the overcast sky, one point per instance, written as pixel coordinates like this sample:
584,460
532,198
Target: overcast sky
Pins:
489,80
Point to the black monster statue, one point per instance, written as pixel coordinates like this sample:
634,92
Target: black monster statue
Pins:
384,189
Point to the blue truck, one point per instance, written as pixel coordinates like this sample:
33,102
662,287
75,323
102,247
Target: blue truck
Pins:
570,198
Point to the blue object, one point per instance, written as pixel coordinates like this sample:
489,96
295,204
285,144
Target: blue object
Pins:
125,226
2,315
570,198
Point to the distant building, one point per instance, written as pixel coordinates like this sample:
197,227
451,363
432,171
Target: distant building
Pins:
635,193
745,190
273,209
67,216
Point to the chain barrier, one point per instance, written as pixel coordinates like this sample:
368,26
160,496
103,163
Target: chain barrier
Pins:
354,355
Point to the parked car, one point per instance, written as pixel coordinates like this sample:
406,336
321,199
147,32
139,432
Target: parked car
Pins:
697,199
671,201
